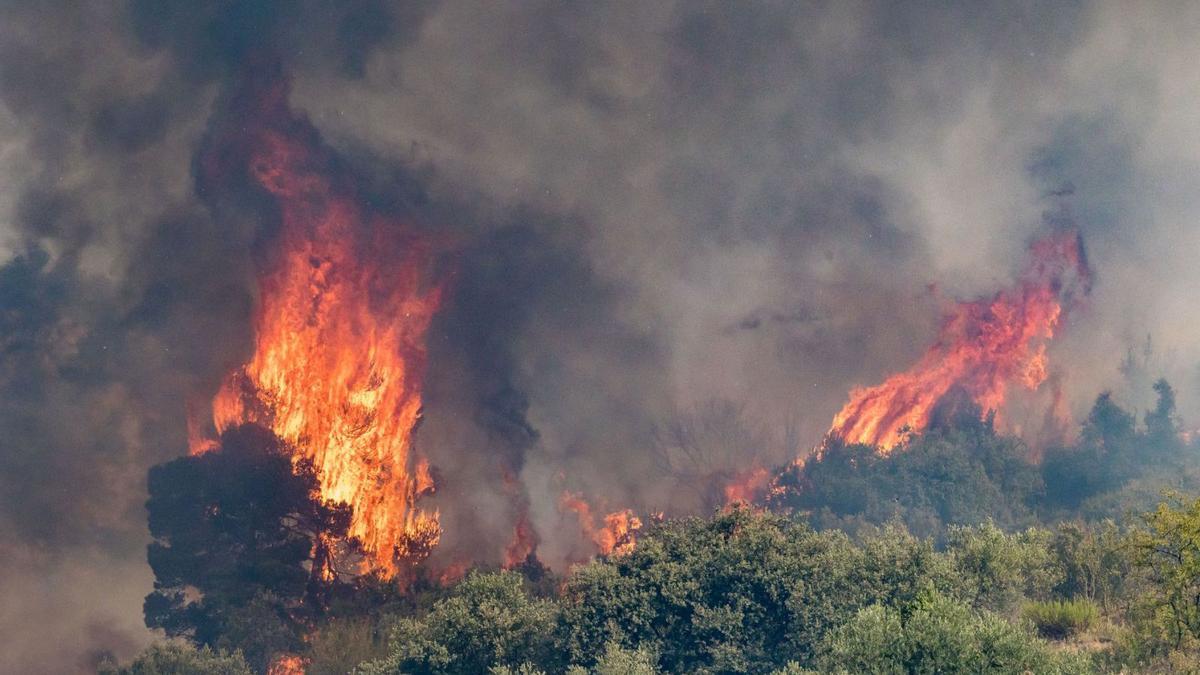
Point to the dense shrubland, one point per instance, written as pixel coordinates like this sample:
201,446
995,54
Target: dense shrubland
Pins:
954,553
960,471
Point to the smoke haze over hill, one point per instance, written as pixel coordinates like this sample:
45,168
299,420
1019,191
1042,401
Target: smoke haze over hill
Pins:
646,209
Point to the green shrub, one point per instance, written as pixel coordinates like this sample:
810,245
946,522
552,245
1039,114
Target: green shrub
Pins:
489,621
172,658
1058,619
523,669
340,645
940,635
618,660
999,569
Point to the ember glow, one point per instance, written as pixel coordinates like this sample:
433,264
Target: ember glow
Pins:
984,346
339,338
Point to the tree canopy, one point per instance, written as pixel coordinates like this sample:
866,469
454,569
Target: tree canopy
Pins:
238,545
955,552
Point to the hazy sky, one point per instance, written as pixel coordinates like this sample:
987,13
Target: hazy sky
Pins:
657,204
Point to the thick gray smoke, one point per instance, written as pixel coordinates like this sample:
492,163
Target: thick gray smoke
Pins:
657,206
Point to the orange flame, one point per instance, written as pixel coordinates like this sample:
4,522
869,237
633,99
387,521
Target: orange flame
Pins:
454,572
339,346
983,346
198,443
748,487
287,664
615,535
523,544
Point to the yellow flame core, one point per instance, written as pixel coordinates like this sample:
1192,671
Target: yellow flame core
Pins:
339,352
983,346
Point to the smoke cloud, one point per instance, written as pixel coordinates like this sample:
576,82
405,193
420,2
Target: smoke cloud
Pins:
651,207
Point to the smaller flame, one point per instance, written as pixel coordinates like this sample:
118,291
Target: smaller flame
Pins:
524,540
616,534
748,487
198,441
523,543
287,664
454,572
619,534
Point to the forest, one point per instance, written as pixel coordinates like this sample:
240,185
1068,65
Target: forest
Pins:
955,552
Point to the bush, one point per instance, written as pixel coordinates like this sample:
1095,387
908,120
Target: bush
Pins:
1096,563
999,569
743,592
488,622
340,645
940,635
1058,619
171,658
618,660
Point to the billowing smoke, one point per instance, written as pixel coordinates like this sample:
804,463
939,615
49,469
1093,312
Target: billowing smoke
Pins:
658,214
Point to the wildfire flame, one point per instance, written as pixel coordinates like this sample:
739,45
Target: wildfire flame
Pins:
523,544
339,337
616,534
983,347
748,487
454,572
287,664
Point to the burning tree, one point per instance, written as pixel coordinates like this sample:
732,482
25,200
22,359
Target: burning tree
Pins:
346,297
983,348
714,452
242,545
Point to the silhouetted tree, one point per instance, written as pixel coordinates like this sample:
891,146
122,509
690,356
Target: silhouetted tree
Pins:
239,551
1161,425
1108,424
703,449
1101,460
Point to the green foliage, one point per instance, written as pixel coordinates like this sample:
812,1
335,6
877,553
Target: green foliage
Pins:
523,669
897,568
840,584
742,592
1095,476
1096,563
950,475
175,658
1058,619
341,644
872,641
999,569
711,594
1168,551
489,621
758,593
753,592
618,660
701,594
793,668
1162,427
1101,461
961,472
938,635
